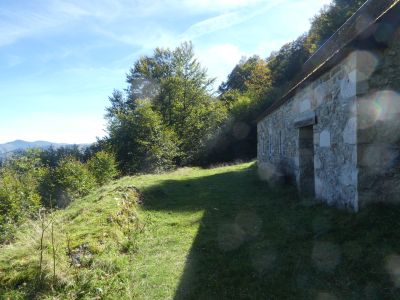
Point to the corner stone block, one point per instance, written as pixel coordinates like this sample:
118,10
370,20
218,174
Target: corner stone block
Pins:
317,163
325,139
319,187
350,132
316,138
348,175
320,93
305,105
348,86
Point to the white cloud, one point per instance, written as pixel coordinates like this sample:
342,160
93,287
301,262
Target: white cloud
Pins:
227,20
15,26
105,10
147,38
70,9
212,25
42,17
34,20
220,5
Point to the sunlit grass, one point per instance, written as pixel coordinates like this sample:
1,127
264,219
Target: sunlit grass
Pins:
208,234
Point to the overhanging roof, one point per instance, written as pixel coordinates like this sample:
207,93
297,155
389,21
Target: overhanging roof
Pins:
335,47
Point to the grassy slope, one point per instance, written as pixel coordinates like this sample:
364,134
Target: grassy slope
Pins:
209,234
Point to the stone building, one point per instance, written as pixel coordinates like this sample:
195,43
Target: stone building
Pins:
336,133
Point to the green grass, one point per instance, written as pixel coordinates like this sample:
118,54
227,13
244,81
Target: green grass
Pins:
208,234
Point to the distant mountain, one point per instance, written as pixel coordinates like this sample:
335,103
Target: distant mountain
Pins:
18,145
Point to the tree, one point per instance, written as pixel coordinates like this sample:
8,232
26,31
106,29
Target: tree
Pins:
288,61
329,20
52,156
259,81
243,72
168,98
141,140
242,94
119,105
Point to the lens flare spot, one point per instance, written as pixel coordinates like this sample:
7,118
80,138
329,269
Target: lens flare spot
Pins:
249,222
393,268
326,256
325,296
321,225
230,237
386,104
367,62
380,106
384,33
263,262
379,158
268,172
363,21
241,130
371,292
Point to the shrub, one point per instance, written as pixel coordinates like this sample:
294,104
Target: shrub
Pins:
103,167
20,179
69,180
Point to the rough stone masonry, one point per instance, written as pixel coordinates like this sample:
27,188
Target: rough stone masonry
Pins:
336,133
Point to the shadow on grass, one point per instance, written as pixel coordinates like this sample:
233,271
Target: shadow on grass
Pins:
259,243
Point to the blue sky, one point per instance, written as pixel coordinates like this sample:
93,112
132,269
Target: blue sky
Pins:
61,59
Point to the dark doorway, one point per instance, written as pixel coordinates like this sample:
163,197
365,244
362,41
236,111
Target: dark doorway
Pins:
306,161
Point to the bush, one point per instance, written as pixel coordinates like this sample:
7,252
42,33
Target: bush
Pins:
103,167
20,179
69,180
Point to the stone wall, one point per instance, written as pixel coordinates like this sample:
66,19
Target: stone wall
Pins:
328,105
347,120
378,129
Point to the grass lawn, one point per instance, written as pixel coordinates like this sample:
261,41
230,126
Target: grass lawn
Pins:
206,234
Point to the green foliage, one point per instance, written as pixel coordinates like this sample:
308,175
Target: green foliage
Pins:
69,180
286,63
167,113
260,80
141,141
328,21
103,167
250,74
51,157
243,95
20,179
101,144
128,219
30,180
94,240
